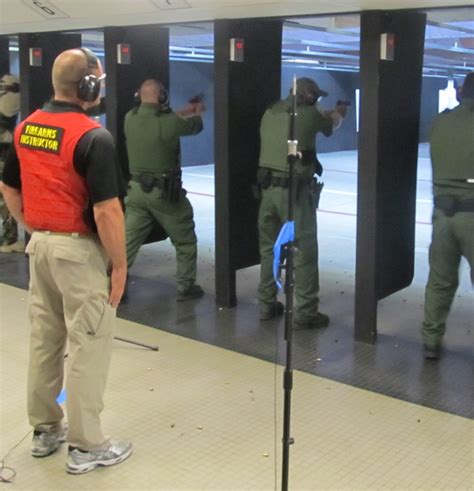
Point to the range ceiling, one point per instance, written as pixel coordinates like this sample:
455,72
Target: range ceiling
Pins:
333,42
50,15
328,42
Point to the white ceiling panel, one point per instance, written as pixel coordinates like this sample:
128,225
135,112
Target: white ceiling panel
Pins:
20,16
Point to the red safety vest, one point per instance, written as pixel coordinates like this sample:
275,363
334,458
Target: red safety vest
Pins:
54,194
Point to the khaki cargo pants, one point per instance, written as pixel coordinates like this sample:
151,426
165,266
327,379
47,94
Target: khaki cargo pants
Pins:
68,298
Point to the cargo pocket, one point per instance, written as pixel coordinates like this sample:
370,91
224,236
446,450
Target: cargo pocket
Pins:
97,318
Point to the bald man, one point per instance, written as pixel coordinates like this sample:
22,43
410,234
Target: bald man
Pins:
152,133
62,181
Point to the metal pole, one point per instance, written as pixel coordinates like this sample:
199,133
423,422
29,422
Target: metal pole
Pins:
289,289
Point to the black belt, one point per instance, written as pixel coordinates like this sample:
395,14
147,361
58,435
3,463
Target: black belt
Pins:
149,181
281,182
452,204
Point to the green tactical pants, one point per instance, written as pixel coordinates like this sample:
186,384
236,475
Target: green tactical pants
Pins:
272,214
9,225
143,210
453,237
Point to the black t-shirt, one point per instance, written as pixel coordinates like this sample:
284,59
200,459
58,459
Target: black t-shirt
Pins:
95,159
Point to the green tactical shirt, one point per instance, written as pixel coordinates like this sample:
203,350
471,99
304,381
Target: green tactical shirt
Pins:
452,151
153,138
274,129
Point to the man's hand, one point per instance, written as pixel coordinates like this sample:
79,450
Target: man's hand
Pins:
199,108
341,108
192,109
118,279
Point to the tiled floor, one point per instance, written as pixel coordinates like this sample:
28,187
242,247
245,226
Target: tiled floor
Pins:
395,421
207,418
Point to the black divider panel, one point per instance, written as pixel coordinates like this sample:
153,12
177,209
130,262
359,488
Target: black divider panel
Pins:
36,84
388,152
243,90
149,55
4,55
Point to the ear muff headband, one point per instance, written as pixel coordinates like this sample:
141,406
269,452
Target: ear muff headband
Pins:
14,87
306,96
88,87
9,87
163,98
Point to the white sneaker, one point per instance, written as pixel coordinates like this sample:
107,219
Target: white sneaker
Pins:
45,443
18,246
79,462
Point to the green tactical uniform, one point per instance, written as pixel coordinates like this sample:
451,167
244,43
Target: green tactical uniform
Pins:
9,226
9,108
153,149
274,204
452,156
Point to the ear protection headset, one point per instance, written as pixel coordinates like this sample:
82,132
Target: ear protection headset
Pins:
306,96
13,87
307,92
88,87
163,98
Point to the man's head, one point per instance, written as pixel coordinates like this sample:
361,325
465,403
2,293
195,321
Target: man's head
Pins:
9,83
152,91
76,77
308,92
467,89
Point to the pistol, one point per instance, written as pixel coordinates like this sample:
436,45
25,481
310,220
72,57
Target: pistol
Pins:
197,98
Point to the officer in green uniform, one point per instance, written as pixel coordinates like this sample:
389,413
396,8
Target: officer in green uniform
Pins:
452,157
272,177
152,133
9,109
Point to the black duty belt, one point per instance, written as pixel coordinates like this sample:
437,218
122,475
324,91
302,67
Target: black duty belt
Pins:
170,184
149,181
266,178
452,204
278,181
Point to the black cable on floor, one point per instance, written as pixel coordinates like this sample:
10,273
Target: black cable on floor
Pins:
8,474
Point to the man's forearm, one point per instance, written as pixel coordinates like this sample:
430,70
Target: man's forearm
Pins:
14,201
110,223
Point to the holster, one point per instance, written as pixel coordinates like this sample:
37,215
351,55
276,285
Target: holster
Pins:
317,188
172,186
264,177
147,182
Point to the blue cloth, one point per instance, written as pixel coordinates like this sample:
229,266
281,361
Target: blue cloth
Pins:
287,234
61,399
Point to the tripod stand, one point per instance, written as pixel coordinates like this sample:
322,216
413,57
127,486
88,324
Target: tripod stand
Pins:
284,259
